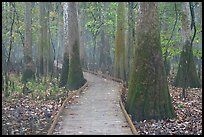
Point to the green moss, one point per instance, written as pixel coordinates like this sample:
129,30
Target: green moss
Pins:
75,76
148,94
119,62
65,70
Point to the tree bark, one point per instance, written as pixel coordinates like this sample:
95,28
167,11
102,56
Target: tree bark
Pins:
44,50
83,56
12,15
119,62
75,75
29,70
131,38
65,65
148,93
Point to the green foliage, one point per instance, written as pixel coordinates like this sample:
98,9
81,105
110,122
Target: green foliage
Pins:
197,53
167,17
50,89
18,27
93,26
94,23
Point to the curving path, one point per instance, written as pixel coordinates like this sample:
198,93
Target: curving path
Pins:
95,111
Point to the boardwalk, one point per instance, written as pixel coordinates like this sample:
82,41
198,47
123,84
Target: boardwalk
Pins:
95,112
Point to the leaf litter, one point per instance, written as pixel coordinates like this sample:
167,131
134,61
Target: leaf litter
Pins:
188,119
24,116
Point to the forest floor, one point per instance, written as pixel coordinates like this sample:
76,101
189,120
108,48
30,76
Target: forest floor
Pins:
33,114
188,119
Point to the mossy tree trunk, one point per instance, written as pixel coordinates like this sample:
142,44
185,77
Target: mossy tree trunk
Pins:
186,75
119,61
65,70
28,72
148,93
65,65
131,37
75,75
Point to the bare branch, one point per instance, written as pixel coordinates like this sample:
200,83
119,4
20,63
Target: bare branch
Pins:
192,22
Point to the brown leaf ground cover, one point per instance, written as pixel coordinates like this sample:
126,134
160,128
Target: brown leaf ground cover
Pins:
31,112
188,119
24,115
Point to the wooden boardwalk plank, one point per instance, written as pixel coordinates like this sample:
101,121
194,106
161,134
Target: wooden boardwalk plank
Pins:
96,111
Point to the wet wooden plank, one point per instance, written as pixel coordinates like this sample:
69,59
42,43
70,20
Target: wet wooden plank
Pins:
96,111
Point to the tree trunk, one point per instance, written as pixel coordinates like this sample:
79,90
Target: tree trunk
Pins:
167,64
44,49
186,75
82,37
94,53
65,70
148,93
41,47
12,16
102,52
75,75
104,57
29,70
65,65
59,35
119,62
131,37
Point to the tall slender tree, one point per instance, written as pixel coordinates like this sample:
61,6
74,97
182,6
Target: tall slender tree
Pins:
119,61
104,57
148,93
82,20
131,37
27,49
44,49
